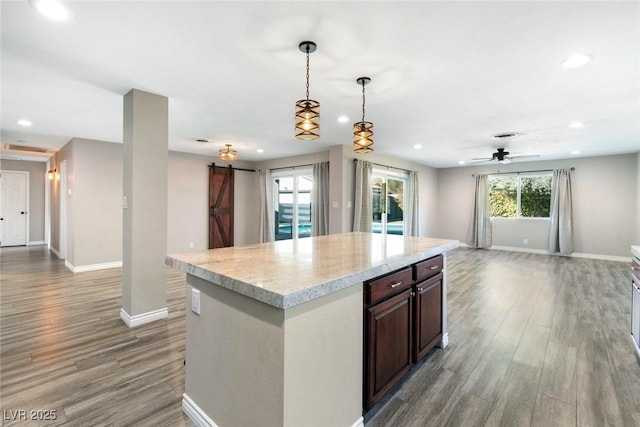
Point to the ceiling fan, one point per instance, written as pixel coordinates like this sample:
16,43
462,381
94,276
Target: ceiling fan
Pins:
502,156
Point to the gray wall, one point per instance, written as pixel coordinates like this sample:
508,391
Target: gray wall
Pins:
637,239
37,182
94,202
94,209
188,219
604,205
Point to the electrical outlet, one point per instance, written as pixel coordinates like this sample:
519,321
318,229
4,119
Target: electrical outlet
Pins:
191,245
525,241
195,301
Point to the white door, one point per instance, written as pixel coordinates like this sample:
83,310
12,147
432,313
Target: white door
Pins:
13,208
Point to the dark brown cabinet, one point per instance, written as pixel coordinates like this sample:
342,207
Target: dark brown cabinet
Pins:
402,323
390,343
428,326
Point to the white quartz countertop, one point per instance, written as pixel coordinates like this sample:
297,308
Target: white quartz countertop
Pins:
635,251
290,272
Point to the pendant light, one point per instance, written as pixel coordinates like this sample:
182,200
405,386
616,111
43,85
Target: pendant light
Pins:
227,154
307,110
363,131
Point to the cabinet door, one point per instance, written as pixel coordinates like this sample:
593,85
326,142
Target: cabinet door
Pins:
388,347
428,328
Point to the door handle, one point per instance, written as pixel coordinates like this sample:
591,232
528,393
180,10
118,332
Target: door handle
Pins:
1,219
22,212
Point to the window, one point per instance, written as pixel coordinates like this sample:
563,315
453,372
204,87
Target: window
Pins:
520,196
292,190
388,201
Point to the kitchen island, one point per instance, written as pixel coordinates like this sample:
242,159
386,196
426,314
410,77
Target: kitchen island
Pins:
275,330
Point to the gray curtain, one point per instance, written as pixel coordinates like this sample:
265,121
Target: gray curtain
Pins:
266,206
411,216
561,214
480,232
320,199
363,198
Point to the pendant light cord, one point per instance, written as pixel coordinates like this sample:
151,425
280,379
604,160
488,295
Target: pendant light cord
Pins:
363,100
307,72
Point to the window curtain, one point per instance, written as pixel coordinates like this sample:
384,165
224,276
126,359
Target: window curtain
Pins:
320,199
411,218
363,198
561,214
480,234
266,206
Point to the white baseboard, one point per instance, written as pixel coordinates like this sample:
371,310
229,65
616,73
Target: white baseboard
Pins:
37,242
445,340
141,319
93,267
545,252
201,419
195,414
55,252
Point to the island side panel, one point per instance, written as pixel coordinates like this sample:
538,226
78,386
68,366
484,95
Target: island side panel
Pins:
323,360
234,357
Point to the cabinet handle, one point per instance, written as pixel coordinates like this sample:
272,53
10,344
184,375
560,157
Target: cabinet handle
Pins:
433,267
395,284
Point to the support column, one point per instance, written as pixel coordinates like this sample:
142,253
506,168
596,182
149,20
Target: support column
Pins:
145,141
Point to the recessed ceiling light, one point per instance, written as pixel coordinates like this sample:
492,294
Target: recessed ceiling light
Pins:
343,119
52,9
462,162
260,150
24,122
576,125
577,60
417,146
575,152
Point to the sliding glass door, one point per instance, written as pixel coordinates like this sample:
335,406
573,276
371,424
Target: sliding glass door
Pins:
388,201
293,204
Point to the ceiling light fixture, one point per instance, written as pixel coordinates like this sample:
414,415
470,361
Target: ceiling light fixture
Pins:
227,154
363,131
307,110
575,152
577,60
576,125
24,122
260,150
461,162
52,9
343,119
417,146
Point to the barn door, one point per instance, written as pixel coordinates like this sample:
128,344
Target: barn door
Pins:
220,207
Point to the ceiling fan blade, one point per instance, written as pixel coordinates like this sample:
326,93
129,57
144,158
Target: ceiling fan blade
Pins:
523,155
482,158
505,161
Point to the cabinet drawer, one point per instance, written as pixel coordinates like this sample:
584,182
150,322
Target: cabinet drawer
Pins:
387,286
635,267
427,268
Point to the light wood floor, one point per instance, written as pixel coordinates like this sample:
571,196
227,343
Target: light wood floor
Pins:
534,340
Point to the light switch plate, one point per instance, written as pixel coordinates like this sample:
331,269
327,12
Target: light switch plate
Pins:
195,301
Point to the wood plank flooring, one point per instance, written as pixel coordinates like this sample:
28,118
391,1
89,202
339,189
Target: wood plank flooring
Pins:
534,341
63,347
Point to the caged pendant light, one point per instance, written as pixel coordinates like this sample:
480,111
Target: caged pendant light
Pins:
227,154
307,110
363,131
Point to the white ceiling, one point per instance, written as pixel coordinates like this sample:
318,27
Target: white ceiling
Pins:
446,75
